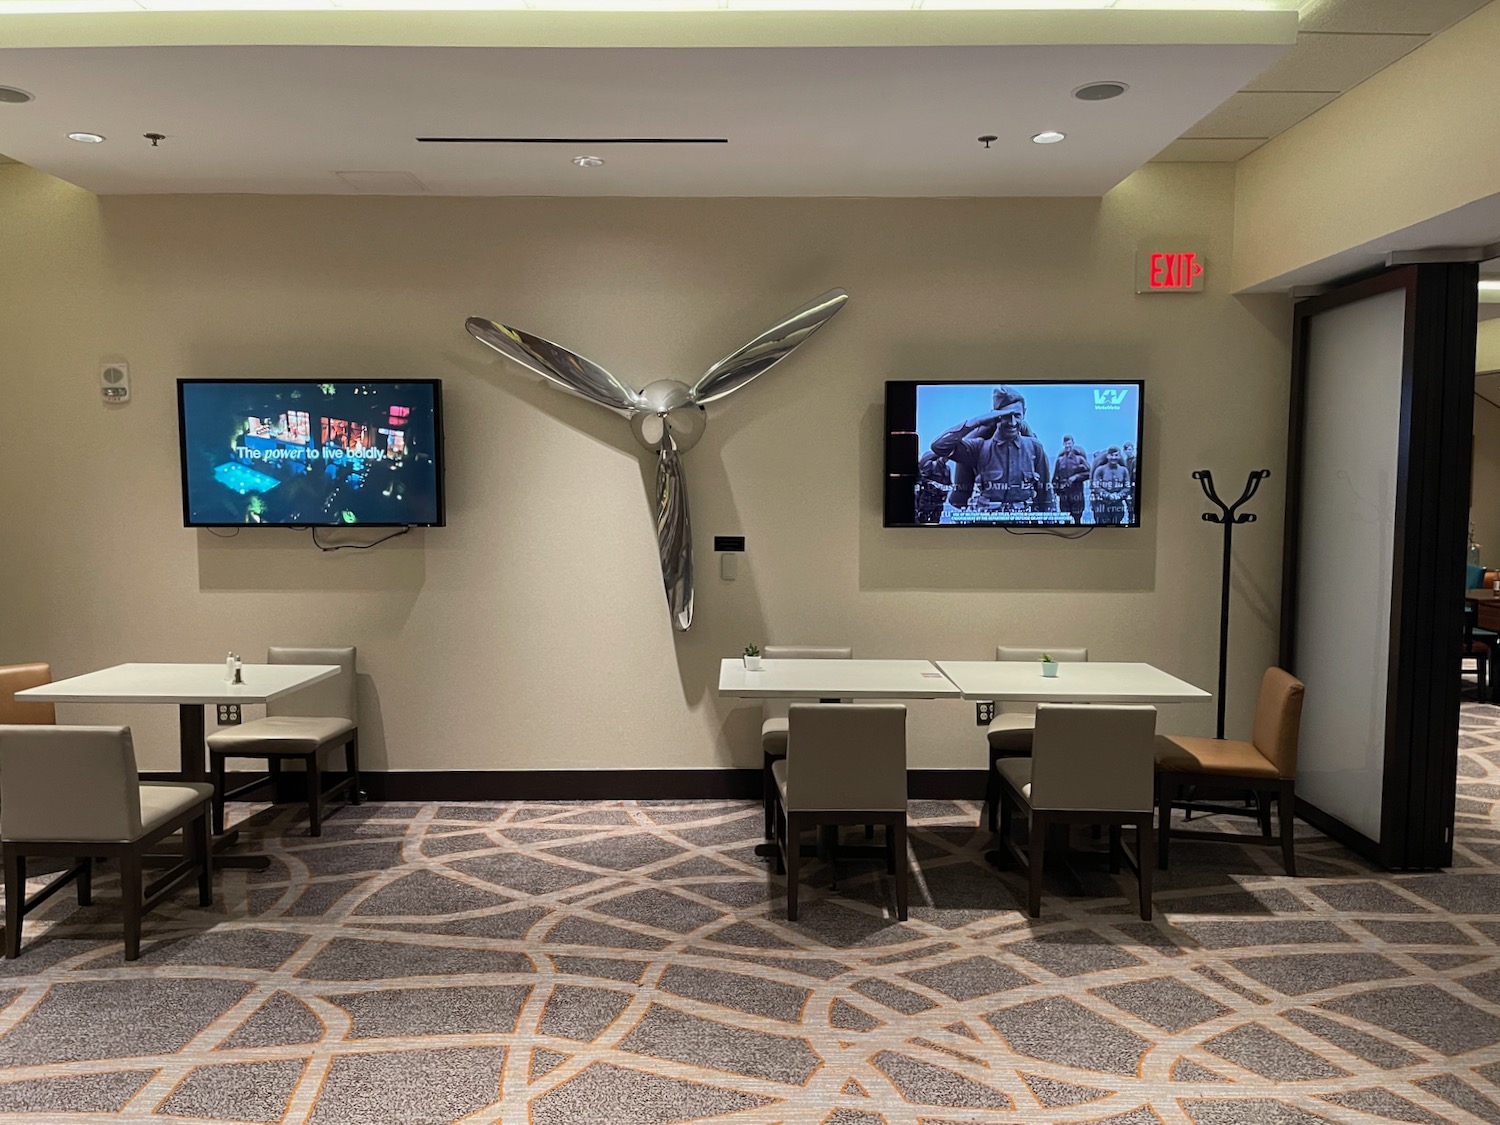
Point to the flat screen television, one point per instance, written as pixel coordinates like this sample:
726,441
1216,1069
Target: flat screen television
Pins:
304,453
1016,453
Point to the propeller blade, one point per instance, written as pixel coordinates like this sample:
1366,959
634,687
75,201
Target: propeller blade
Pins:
674,536
770,347
556,364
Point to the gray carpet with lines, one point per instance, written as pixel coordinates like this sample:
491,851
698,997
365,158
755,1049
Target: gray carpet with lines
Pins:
627,963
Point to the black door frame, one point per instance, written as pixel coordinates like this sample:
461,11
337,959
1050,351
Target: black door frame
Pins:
1434,466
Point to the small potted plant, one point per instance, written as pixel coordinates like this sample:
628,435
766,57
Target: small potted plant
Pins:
752,658
1049,666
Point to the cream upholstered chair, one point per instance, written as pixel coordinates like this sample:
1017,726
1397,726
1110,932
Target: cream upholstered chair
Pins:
845,764
1089,764
1009,733
773,718
74,792
18,677
1266,764
304,726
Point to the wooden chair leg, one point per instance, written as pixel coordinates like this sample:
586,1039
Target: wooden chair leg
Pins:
1036,854
131,902
203,856
898,832
768,793
1286,809
86,880
314,795
15,898
1263,812
218,801
1005,827
890,847
793,855
1116,842
1145,844
991,796
1164,793
351,759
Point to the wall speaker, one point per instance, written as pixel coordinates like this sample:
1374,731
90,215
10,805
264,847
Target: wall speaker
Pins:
114,382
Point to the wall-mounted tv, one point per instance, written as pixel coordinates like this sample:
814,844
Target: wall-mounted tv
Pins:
1015,453
303,453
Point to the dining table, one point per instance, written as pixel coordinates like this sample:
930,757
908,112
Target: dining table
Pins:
192,687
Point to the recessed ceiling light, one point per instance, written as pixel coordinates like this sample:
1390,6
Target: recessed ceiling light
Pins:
1100,91
86,138
588,161
1049,137
11,96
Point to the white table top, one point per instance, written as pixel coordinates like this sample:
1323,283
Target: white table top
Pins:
180,683
835,679
1084,681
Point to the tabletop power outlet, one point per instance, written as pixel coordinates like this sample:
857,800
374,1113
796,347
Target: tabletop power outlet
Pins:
984,713
229,714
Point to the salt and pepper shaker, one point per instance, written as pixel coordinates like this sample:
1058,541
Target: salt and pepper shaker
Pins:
233,669
239,670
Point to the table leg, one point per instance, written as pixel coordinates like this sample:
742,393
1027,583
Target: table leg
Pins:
193,766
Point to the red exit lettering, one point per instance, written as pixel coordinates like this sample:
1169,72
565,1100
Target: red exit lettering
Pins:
1174,271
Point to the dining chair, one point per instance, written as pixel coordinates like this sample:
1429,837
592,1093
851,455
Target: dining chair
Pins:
74,792
1478,647
18,677
1009,732
773,719
1089,764
304,726
1267,765
845,764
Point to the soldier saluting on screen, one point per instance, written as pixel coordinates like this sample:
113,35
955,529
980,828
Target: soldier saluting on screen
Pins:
1011,468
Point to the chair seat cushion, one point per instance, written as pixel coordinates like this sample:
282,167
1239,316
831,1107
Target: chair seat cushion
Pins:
162,800
1016,772
1182,754
1010,733
773,737
281,734
778,771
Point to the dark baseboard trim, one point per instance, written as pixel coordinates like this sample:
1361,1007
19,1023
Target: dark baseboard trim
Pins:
1331,826
600,785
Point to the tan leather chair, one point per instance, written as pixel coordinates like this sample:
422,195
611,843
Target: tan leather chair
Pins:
303,726
1089,764
773,719
1266,764
74,792
1009,733
18,677
845,764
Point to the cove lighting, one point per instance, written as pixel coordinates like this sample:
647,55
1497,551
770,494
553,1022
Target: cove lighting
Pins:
1489,292
89,7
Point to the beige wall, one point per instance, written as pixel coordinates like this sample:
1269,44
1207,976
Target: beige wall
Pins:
532,632
1419,139
1484,500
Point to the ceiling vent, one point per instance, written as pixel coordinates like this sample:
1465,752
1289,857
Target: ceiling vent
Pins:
573,140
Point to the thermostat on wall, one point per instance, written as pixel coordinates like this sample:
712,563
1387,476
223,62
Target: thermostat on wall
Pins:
114,382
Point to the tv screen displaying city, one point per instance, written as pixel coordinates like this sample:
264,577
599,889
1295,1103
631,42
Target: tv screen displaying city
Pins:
303,453
1013,453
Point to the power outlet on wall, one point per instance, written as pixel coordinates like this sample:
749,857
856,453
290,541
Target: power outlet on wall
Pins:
229,714
984,713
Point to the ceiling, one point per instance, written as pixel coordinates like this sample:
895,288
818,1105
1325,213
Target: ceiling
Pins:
829,103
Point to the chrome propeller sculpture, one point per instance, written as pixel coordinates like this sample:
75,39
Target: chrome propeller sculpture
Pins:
666,416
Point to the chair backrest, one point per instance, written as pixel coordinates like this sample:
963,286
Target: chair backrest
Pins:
776,708
331,698
1094,756
68,783
1278,720
846,756
1010,652
18,677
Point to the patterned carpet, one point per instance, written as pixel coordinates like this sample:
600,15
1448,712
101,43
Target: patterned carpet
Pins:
626,964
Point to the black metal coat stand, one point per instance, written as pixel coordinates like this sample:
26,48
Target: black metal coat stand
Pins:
1228,515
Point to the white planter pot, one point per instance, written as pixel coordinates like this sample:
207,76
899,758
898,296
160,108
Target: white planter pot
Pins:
1049,668
752,664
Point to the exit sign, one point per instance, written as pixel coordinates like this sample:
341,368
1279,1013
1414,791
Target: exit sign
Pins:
1168,271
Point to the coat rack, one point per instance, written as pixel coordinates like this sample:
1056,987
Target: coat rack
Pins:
1228,515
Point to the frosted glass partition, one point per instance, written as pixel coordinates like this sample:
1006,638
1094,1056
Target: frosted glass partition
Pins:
1350,445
